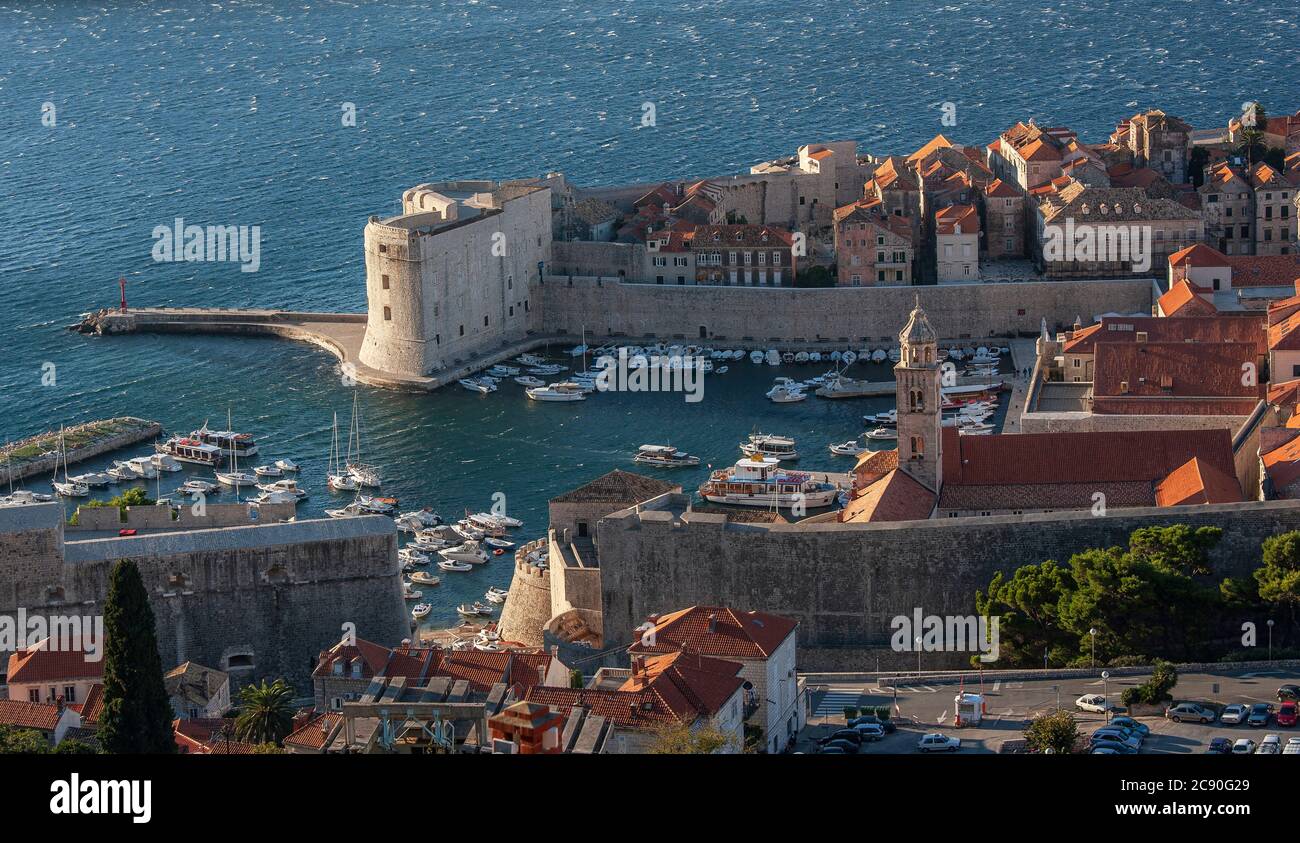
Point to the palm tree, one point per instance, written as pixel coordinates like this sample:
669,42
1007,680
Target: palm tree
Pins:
265,713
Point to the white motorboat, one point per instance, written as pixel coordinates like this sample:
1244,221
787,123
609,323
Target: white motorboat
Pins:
409,593
277,497
284,486
378,506
469,553
773,357
530,360
198,487
664,456
487,646
352,510
557,392
759,481
756,356
491,520
236,479
801,357
420,610
415,557
465,610
477,386
848,358
343,483
143,467
786,395
770,445
497,595
879,355
501,370
814,357
425,578
268,471
529,381
286,464
454,567
24,496
426,543
94,478
426,517
882,433
164,462
975,431
850,448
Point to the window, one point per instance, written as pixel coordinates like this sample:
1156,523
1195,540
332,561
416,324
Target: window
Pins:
485,321
388,313
34,695
462,330
69,693
383,279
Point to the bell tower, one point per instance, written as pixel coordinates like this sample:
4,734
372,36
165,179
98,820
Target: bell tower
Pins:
917,377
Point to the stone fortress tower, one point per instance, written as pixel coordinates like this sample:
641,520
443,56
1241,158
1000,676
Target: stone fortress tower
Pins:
452,275
917,375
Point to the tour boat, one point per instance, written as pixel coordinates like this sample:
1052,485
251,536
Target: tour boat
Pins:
773,357
756,356
556,392
425,578
288,487
664,456
230,442
477,386
191,450
769,445
758,481
469,552
286,464
850,448
164,462
488,519
786,395
420,610
198,487
457,567
529,381
268,471
882,433
415,557
68,488
365,475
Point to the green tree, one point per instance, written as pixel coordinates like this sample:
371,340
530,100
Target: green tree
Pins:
265,713
1027,605
137,715
72,746
681,739
576,679
1278,579
1178,549
22,742
1056,732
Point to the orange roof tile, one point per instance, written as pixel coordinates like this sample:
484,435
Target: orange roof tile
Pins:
947,220
747,635
38,664
895,497
1197,482
1282,464
1183,300
29,715
316,733
1174,370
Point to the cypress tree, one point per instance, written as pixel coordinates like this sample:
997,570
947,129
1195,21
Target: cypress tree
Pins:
137,714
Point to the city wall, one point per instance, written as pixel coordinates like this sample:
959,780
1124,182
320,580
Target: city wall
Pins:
256,601
844,314
844,583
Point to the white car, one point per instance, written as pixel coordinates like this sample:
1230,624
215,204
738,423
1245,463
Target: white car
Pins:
1243,746
936,742
1292,747
1271,745
1235,713
1093,702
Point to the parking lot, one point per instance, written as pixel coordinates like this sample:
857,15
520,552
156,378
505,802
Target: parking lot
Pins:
920,707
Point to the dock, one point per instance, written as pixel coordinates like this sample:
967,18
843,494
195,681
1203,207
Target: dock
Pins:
38,454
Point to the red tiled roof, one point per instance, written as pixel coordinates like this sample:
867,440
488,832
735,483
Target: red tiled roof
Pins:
1186,328
947,220
895,497
1174,369
1183,299
1264,270
1284,393
1196,482
1001,189
93,706
748,635
315,733
29,715
38,664
1199,254
1282,334
1282,464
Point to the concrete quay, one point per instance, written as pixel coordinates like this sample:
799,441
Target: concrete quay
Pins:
38,454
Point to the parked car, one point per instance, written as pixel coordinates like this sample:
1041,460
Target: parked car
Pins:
937,742
1190,711
1259,715
1093,702
1104,750
1286,714
1235,713
1219,746
1271,745
1103,736
1243,746
850,735
887,725
835,750
1129,735
126,532
870,731
1115,747
1292,747
1124,720
845,746
1289,692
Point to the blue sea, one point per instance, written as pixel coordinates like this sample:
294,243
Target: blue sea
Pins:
121,117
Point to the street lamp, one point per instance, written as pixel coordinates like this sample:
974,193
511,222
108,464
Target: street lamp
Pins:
1105,679
1270,639
918,654
1093,633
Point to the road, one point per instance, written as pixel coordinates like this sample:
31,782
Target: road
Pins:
923,707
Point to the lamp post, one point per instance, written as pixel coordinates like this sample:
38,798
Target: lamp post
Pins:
1093,632
1105,679
1270,639
918,653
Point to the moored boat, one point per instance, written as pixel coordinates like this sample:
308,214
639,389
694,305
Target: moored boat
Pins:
770,445
664,456
759,481
191,450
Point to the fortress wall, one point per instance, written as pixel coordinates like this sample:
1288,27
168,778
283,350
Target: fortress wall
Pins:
856,314
101,518
591,258
258,601
528,608
844,583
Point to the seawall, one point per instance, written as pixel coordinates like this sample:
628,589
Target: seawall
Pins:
95,438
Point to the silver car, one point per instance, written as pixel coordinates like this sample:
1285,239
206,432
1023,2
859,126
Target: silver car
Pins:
1234,714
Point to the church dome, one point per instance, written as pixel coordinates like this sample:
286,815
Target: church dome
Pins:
918,329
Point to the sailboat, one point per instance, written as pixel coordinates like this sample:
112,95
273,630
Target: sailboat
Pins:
339,479
68,488
365,475
234,477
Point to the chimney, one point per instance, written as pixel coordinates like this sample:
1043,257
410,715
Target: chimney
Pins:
1141,336
713,623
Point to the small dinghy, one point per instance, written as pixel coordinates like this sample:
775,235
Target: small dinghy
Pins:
879,355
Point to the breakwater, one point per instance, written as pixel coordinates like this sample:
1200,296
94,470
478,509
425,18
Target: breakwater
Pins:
38,454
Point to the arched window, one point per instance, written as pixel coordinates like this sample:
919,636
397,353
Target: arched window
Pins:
918,447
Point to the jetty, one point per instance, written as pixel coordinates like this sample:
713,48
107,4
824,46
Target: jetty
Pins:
38,454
